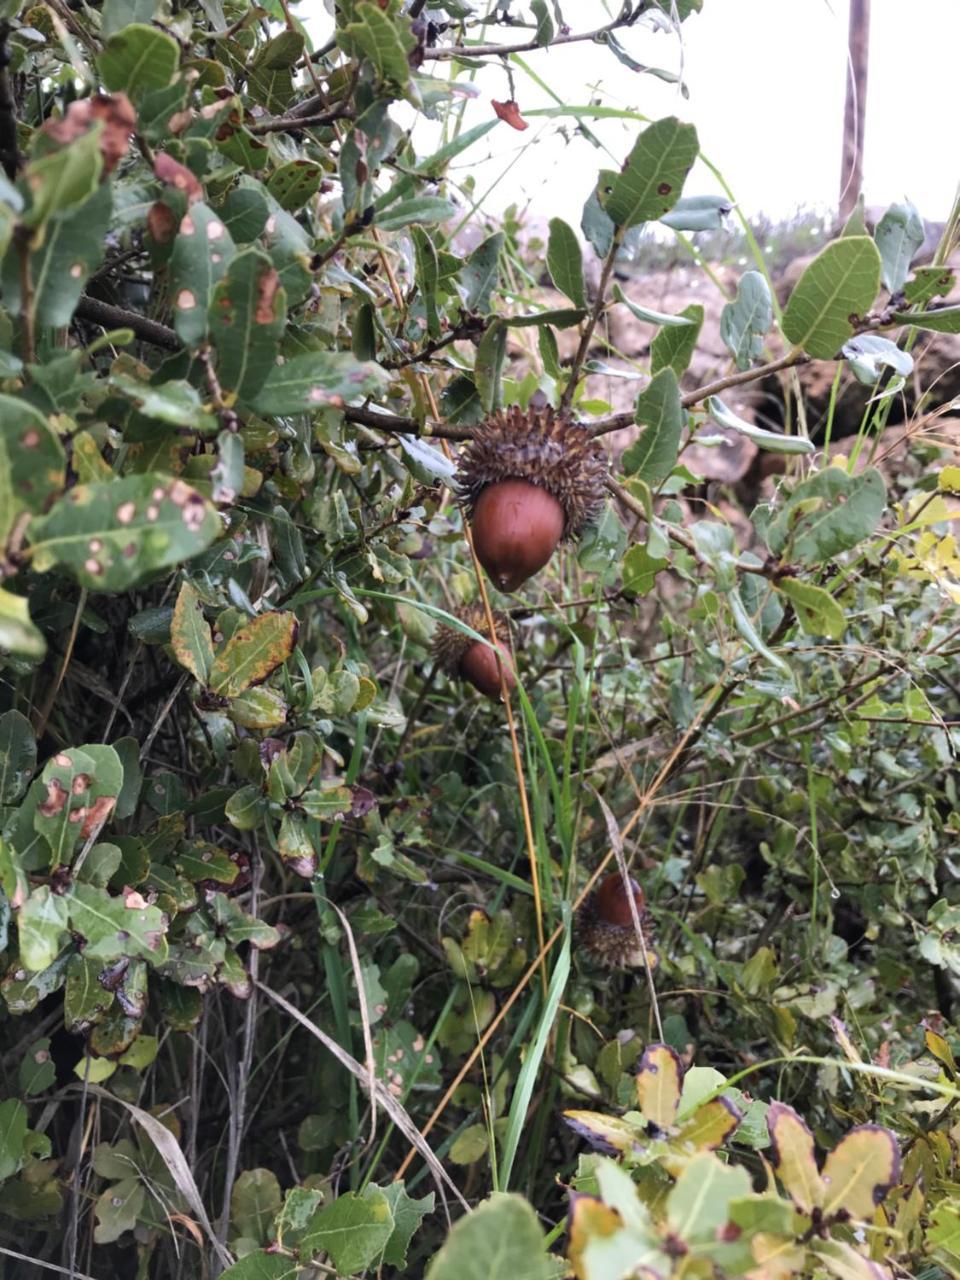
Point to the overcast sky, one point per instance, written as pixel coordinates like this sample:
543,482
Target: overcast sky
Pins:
766,84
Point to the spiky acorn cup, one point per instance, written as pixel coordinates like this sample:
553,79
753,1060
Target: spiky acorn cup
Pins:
529,479
605,927
463,658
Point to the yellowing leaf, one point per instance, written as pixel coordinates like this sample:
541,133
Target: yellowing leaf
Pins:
793,1157
860,1170
949,480
709,1125
608,1134
190,634
658,1085
252,653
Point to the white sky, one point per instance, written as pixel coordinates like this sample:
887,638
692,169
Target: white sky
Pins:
766,82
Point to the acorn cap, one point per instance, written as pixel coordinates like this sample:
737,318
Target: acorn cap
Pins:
540,446
605,928
450,645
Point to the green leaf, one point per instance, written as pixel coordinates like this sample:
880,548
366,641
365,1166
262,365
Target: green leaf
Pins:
673,346
85,999
660,411
310,381
817,611
294,183
118,1208
202,252
603,543
899,235
37,1068
245,212
792,1156
73,245
418,210
377,36
682,321
13,1131
247,317
658,1085
488,365
137,60
175,403
407,1216
868,355
652,177
426,463
745,321
190,634
23,990
698,1206
565,262
937,320
258,709
252,653
500,1238
112,535
772,441
254,1203
115,927
41,922
927,283
32,462
18,755
64,179
640,569
353,1230
480,273
263,1266
747,628
860,1170
428,275
698,213
836,290
828,513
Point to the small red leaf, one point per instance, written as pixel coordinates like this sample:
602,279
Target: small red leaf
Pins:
510,112
177,175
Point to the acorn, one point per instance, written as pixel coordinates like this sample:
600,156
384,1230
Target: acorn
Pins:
529,479
605,927
464,658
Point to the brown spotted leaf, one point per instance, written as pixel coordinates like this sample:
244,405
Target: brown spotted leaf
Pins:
190,634
32,462
658,1085
252,653
75,794
112,534
860,1170
509,113
793,1157
177,175
114,927
248,312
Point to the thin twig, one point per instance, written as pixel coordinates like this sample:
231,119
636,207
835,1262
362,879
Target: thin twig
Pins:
587,335
445,52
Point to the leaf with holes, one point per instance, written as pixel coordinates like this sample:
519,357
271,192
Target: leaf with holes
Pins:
112,535
653,174
247,316
834,293
252,653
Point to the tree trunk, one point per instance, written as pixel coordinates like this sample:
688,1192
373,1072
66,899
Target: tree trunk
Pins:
854,112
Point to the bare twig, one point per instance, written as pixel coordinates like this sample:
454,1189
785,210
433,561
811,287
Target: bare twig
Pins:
445,52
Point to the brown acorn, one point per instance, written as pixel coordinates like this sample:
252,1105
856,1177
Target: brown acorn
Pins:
529,479
605,927
466,659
